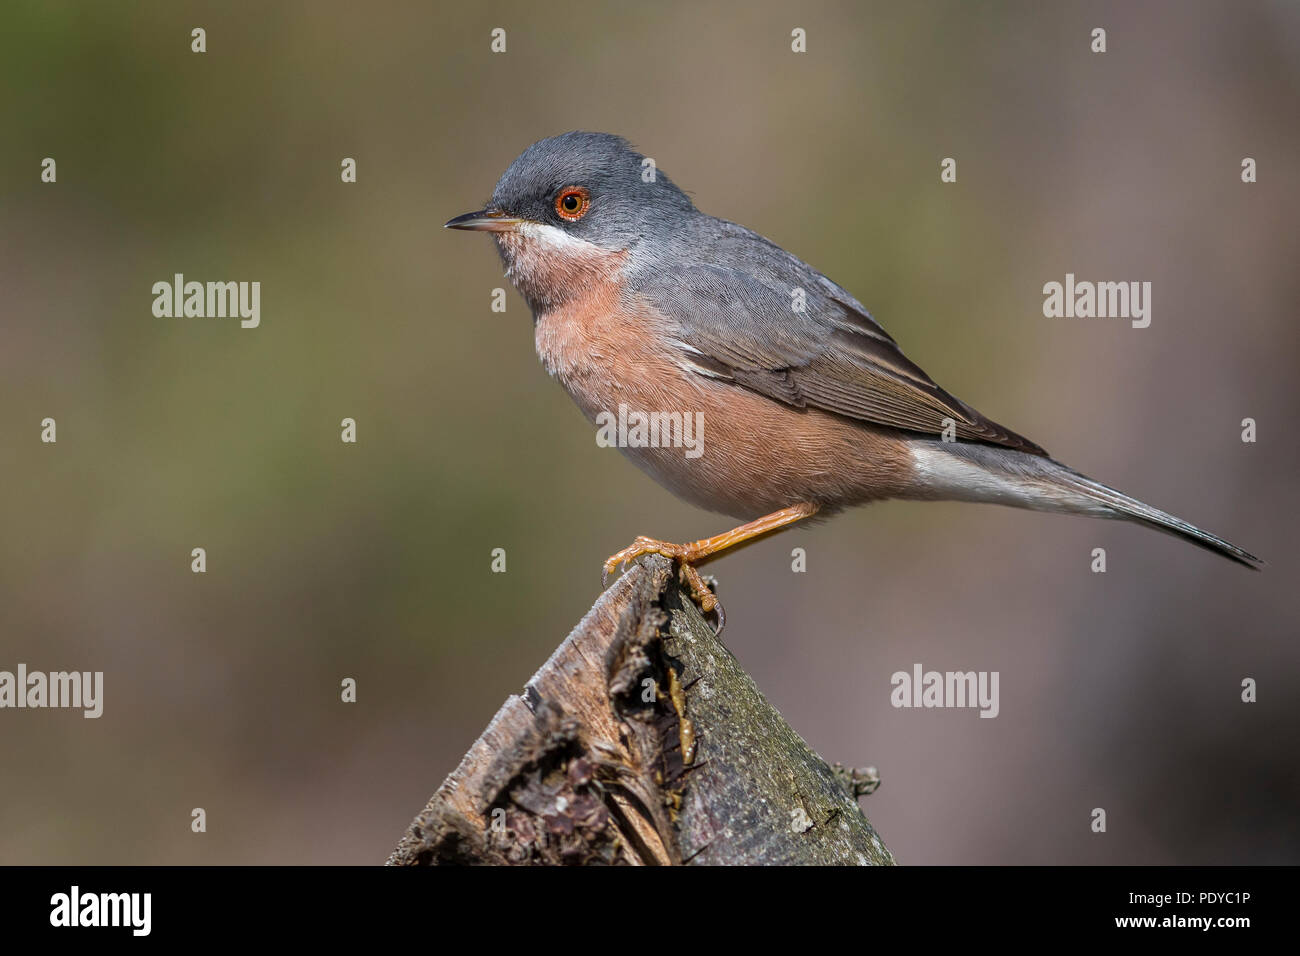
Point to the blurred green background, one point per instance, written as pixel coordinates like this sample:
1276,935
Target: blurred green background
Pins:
328,560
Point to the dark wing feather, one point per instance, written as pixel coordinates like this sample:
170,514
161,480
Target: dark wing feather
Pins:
741,326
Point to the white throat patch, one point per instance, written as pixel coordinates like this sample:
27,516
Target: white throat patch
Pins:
549,266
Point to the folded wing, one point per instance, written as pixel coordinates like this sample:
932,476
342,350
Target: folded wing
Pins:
747,327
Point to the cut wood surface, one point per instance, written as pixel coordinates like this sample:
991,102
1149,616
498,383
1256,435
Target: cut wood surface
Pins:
643,741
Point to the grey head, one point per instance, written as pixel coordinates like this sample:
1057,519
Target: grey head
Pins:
591,186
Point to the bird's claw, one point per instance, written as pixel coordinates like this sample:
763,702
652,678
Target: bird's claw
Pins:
684,556
620,560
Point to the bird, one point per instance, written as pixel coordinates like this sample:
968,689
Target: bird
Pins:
806,405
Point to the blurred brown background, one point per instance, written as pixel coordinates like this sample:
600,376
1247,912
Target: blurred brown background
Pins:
325,560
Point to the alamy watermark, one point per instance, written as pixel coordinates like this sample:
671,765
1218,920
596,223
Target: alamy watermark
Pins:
82,690
75,908
636,429
946,689
1102,300
211,300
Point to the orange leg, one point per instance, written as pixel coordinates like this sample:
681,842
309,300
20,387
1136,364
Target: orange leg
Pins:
688,555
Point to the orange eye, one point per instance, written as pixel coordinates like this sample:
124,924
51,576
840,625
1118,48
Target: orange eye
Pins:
572,203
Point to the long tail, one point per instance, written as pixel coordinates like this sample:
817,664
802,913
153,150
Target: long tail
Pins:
969,472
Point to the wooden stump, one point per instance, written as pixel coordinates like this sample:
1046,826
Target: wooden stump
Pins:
642,741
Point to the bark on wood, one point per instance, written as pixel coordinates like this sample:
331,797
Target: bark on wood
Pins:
642,741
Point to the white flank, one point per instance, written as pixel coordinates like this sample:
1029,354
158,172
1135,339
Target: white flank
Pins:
949,477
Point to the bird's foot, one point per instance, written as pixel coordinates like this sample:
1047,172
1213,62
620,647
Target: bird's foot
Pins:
685,555
688,555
